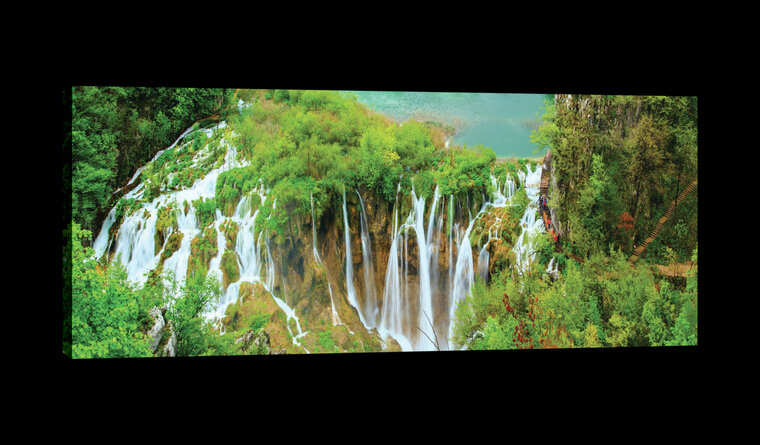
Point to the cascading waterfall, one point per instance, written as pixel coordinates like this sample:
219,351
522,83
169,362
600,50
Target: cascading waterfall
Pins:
425,311
102,242
531,225
553,271
350,290
370,309
452,228
406,312
464,270
135,244
393,313
484,255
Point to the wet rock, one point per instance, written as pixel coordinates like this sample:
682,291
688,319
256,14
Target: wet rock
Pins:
157,314
257,341
169,349
163,340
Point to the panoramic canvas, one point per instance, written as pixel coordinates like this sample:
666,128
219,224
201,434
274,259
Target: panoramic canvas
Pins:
217,222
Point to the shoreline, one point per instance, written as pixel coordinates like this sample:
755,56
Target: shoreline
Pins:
504,159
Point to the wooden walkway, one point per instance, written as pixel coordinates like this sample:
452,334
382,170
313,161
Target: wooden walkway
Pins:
546,215
544,193
660,223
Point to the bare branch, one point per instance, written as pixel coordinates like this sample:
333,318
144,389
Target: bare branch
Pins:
435,343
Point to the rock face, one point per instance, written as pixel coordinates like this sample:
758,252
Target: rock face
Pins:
317,288
157,314
257,342
168,350
163,340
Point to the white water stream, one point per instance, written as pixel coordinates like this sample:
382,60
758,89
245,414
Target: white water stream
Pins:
135,238
409,313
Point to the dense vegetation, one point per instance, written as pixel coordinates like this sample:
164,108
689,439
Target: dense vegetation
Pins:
304,144
603,302
623,158
299,144
115,130
110,315
619,161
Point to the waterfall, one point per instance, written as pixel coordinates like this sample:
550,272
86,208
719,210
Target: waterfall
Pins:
314,230
393,310
425,313
405,312
350,291
396,297
177,263
464,273
370,308
483,260
452,229
335,317
102,241
553,272
135,243
531,225
214,266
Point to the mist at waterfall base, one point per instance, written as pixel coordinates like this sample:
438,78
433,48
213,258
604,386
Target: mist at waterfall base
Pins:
416,311
501,121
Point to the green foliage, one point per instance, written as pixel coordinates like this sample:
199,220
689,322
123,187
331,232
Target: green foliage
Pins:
202,249
519,204
258,322
472,313
495,335
231,185
230,267
205,211
167,217
106,314
326,342
544,135
414,146
603,302
190,302
115,130
616,154
467,172
378,167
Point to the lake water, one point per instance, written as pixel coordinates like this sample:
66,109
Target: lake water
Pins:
501,121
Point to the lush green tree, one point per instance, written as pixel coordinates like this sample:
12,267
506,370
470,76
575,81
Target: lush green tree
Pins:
647,149
190,303
107,320
378,167
496,335
115,130
546,131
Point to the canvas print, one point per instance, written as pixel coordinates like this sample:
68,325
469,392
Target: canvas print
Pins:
218,222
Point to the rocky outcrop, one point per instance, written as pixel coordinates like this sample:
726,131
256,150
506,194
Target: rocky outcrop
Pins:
163,340
257,342
154,333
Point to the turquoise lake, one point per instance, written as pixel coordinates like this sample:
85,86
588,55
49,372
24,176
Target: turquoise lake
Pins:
501,121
